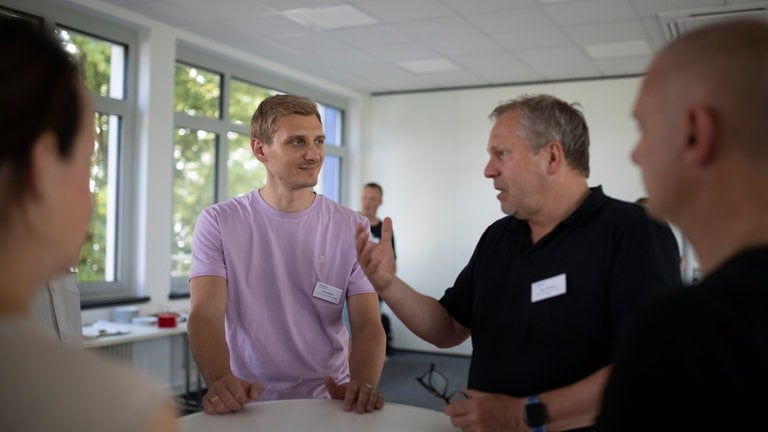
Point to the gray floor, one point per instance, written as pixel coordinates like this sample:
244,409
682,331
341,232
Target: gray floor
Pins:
398,379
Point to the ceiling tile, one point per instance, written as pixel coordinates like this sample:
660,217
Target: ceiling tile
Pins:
311,43
439,28
617,49
655,34
165,11
623,66
428,66
272,26
590,11
403,52
477,6
514,21
284,5
371,36
404,10
458,78
331,17
498,68
207,10
647,8
476,45
494,41
535,39
606,32
559,63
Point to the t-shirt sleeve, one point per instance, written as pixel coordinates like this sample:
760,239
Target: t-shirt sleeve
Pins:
646,265
458,300
207,247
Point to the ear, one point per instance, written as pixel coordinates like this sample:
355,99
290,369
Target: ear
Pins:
257,147
701,144
44,165
554,156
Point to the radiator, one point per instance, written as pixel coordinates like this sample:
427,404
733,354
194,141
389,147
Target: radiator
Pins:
120,353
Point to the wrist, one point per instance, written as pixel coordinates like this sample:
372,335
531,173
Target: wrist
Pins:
535,413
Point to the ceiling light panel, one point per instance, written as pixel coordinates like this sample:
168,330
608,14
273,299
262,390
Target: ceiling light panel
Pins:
332,17
428,65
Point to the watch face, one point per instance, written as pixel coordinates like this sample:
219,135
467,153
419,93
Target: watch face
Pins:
535,415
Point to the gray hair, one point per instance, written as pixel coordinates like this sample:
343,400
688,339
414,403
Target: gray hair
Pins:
545,118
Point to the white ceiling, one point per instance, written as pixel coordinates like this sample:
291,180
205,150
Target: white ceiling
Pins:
400,45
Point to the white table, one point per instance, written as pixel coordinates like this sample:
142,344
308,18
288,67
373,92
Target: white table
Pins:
135,333
318,415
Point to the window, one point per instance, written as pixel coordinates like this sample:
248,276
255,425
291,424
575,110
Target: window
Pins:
212,153
102,50
102,65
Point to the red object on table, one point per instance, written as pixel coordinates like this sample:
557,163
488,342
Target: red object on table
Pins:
166,320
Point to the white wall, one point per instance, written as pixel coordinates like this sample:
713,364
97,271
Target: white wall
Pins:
427,150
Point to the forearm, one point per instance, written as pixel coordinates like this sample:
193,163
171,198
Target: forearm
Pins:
209,347
576,405
366,358
423,315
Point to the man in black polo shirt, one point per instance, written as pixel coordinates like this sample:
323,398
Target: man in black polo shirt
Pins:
548,289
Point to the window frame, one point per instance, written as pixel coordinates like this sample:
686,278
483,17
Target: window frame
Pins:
53,15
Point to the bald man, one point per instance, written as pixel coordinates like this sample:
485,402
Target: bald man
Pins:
698,360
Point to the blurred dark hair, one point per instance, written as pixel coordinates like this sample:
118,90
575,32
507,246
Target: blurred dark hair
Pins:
374,185
39,92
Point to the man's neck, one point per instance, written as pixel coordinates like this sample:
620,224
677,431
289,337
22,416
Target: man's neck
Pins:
287,201
567,199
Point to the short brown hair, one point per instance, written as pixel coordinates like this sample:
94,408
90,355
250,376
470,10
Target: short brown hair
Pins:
545,118
272,109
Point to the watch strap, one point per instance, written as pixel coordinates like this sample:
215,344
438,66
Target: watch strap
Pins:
530,401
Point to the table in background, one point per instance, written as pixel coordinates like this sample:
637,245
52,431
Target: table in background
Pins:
318,415
109,346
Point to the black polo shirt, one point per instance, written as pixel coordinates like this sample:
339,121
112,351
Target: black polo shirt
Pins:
613,257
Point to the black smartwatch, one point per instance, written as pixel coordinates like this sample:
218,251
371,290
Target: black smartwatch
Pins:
535,413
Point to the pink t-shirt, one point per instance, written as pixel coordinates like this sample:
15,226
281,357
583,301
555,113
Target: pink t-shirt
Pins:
283,329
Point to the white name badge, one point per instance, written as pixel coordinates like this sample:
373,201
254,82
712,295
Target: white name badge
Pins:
548,288
327,293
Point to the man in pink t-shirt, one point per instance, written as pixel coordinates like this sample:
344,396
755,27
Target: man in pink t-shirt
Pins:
270,273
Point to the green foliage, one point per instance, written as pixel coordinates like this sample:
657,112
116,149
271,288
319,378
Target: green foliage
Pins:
197,92
94,58
244,98
194,183
244,172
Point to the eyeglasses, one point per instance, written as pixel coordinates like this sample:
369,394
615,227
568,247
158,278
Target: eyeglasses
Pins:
437,384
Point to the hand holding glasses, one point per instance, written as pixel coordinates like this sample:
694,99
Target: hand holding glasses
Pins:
437,384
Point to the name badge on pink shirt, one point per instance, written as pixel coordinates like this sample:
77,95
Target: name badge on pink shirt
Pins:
327,293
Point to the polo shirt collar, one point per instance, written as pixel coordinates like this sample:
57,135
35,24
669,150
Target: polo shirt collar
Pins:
594,200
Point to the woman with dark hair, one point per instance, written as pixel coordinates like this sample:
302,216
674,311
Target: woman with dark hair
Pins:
46,141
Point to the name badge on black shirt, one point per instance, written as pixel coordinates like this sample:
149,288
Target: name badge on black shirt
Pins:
548,288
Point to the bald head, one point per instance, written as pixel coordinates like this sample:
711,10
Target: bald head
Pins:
725,68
